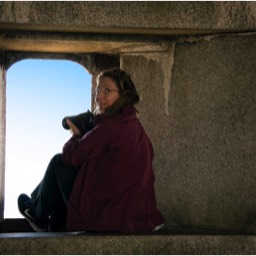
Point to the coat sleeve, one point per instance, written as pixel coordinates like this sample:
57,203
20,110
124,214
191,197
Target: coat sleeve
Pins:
77,150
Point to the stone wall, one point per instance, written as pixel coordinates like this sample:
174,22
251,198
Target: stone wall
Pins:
202,125
197,92
131,17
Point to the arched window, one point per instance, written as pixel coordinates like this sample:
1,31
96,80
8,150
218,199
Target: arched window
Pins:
39,94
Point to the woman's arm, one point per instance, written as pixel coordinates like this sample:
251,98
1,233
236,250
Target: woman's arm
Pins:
78,150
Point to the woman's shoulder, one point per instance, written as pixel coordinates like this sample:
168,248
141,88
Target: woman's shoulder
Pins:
127,114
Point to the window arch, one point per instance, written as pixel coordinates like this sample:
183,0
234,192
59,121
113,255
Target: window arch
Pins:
39,94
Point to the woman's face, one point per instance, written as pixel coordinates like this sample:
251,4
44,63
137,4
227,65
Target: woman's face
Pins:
106,94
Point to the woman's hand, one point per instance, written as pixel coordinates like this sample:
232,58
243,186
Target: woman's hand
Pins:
74,130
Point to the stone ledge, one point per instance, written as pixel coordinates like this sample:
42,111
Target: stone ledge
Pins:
16,238
82,243
145,17
19,227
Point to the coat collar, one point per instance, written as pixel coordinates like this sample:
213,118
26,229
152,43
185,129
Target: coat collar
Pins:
127,111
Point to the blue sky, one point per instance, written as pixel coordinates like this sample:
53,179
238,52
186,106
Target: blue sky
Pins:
39,94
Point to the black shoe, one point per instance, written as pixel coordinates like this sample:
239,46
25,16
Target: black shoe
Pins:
24,204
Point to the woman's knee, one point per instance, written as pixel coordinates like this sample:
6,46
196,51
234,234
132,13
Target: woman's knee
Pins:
56,160
57,157
54,164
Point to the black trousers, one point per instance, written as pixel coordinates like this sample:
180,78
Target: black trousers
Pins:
50,198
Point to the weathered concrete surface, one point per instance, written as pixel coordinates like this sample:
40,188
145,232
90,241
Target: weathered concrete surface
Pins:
129,17
58,243
51,42
202,123
75,26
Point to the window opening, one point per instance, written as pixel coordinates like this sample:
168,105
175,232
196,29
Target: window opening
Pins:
39,94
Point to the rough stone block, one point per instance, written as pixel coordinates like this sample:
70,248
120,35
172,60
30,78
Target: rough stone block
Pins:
205,139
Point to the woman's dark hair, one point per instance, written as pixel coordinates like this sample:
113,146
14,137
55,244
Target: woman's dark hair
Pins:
126,89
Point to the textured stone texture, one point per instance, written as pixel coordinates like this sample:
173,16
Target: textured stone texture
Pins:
129,17
205,139
126,245
52,42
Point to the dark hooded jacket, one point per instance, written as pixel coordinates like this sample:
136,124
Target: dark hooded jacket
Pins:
114,188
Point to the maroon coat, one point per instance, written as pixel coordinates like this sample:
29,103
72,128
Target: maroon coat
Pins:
114,189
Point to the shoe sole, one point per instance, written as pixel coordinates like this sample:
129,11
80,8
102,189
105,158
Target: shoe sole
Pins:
31,223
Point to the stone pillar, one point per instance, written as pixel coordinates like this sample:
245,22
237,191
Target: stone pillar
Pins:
151,73
2,136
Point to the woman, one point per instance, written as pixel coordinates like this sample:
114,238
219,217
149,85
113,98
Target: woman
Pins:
105,177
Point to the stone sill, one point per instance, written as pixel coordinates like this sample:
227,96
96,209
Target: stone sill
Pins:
20,225
170,241
156,244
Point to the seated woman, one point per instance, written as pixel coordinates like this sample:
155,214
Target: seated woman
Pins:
104,178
